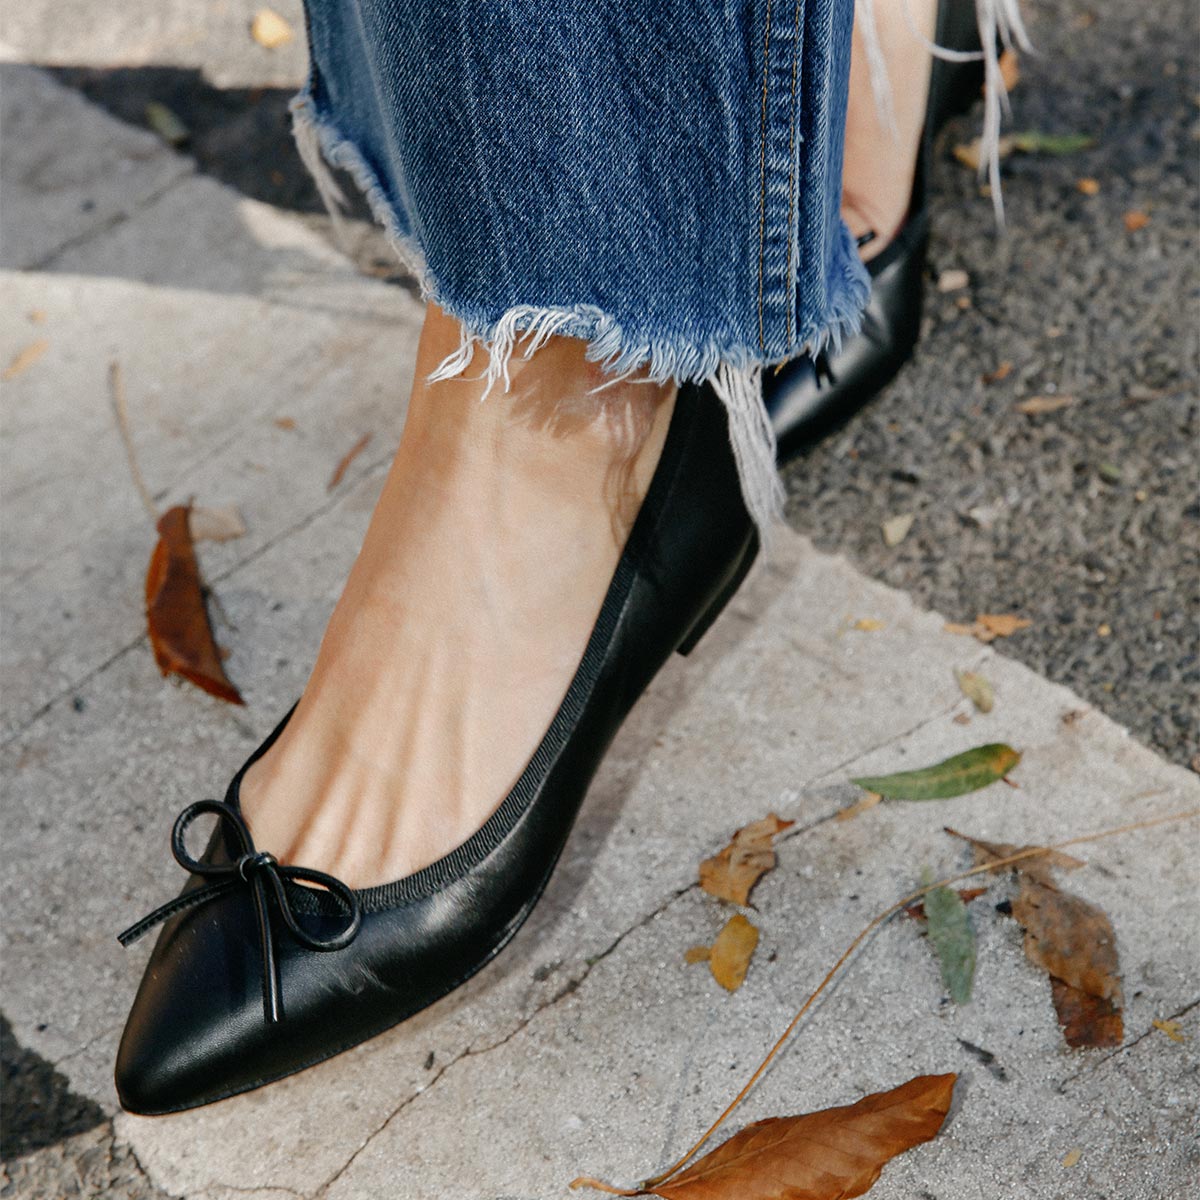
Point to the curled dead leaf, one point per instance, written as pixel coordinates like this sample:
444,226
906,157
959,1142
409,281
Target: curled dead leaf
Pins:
176,616
1135,220
732,873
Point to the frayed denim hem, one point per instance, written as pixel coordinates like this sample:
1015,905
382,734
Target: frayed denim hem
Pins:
733,370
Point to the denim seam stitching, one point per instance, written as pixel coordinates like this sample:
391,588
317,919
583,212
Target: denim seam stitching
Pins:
762,179
791,308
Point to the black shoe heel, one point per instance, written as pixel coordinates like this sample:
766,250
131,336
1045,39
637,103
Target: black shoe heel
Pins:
723,597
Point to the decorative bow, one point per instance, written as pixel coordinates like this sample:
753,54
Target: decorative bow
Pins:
264,876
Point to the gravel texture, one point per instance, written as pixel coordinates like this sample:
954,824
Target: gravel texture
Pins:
1085,520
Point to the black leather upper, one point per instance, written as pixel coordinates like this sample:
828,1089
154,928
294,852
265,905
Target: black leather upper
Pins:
197,1031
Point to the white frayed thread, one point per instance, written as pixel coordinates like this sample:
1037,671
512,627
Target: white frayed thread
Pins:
308,144
881,83
526,328
753,441
1000,25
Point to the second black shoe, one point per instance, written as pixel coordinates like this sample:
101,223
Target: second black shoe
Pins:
809,395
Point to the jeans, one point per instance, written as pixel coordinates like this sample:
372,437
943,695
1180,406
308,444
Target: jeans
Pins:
661,178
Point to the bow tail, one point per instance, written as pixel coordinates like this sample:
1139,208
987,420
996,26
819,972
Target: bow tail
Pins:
180,904
272,988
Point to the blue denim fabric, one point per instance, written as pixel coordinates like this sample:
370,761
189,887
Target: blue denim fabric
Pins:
661,178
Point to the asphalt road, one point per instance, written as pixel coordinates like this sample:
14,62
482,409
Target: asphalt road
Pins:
1085,520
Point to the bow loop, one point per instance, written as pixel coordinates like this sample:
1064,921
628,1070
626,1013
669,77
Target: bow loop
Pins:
265,876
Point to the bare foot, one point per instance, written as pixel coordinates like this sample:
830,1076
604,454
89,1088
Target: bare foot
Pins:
880,163
466,613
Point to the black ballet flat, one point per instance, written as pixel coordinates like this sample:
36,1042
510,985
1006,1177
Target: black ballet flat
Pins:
809,396
263,969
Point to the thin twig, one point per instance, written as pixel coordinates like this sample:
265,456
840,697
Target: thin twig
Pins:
116,391
887,914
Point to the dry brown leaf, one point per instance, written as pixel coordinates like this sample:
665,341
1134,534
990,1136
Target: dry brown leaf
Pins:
1072,1157
287,424
697,954
1010,69
25,358
732,874
829,1155
1088,186
1003,371
1135,220
1071,939
731,952
270,30
344,462
1036,405
175,613
1002,624
216,524
1088,1022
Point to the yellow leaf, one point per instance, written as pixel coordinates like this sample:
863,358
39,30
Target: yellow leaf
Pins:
1002,624
1089,187
1072,1157
732,873
270,30
697,954
1010,69
868,802
1171,1029
729,958
977,690
25,359
869,625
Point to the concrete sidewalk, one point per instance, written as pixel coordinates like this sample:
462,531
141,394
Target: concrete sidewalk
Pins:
588,1046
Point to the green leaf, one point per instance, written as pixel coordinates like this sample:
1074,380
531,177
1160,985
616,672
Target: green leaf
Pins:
953,941
1034,142
166,124
967,772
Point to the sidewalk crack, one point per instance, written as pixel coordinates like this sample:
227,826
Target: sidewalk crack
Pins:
46,262
571,986
1123,1050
